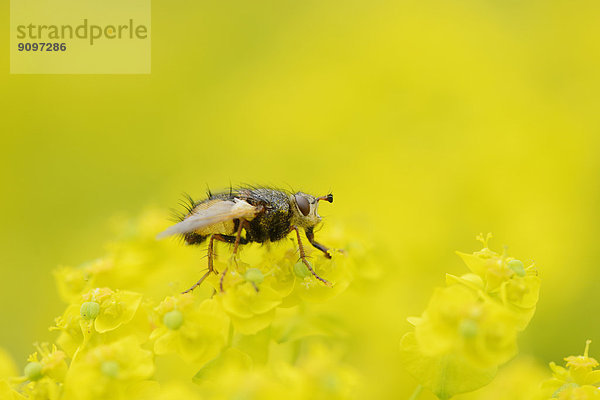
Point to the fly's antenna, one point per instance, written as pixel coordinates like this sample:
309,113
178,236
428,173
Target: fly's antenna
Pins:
230,188
328,198
208,192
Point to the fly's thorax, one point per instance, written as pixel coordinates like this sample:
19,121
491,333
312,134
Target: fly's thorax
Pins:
304,210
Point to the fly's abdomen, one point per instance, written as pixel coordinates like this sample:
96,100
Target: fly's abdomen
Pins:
269,226
194,238
273,223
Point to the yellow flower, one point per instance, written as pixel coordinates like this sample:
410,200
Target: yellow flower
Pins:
195,330
457,319
334,269
99,311
493,268
252,293
111,332
115,307
584,363
135,262
283,281
52,363
250,306
316,373
42,376
505,279
119,370
578,381
470,326
573,392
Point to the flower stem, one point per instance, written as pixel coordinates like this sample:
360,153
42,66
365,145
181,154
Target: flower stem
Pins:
416,393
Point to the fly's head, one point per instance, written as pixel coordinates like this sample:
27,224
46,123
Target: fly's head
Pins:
304,209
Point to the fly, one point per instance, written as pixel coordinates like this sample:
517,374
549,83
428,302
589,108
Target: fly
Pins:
264,214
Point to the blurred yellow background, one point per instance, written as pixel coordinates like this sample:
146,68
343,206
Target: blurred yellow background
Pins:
429,121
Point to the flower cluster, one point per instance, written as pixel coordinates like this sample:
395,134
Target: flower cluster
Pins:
128,332
579,380
470,326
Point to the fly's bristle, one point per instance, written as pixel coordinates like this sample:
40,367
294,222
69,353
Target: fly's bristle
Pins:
189,199
187,205
176,215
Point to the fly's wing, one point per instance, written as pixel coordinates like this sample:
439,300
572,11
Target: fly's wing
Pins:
221,211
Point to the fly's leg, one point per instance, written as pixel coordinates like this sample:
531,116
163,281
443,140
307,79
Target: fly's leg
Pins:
236,244
238,236
198,283
310,235
305,261
211,254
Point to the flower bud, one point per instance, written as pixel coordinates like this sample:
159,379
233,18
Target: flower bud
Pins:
301,270
33,371
110,368
468,328
173,320
517,266
89,310
254,275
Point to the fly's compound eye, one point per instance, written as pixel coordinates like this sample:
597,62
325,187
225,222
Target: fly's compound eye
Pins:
303,204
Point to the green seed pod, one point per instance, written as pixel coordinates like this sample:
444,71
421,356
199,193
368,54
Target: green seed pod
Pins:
517,266
173,320
301,270
89,310
33,371
254,275
468,328
110,368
